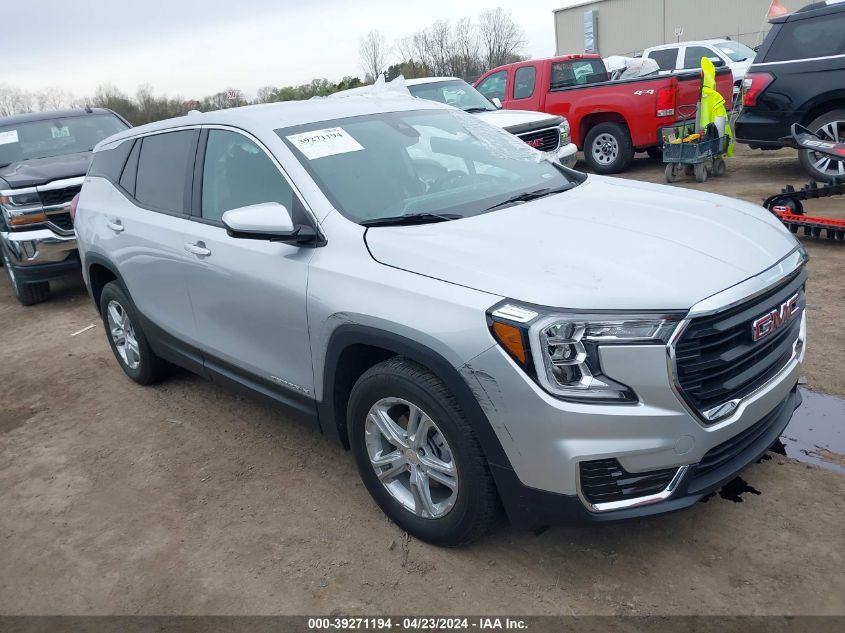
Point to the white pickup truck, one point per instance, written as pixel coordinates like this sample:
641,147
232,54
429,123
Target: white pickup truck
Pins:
545,132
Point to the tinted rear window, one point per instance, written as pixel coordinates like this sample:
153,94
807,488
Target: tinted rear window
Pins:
812,37
109,163
578,73
165,166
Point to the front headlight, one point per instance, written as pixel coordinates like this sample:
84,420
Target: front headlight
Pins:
20,200
561,351
564,132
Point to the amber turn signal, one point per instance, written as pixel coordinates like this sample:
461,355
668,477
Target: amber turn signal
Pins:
510,337
27,218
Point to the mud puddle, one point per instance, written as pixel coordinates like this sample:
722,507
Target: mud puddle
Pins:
816,434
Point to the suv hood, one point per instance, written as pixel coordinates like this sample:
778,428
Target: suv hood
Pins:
607,244
40,171
518,118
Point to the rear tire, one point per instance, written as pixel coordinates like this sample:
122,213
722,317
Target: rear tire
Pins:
436,486
829,127
608,148
720,168
27,294
126,337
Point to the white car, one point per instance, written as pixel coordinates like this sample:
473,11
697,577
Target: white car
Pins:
541,131
683,55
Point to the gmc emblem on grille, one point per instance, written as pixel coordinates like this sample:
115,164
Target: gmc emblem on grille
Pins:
535,142
774,320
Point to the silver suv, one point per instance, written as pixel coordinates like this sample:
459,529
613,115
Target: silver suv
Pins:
477,323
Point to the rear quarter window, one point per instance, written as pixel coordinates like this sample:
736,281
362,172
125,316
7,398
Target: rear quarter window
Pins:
666,58
812,37
165,168
523,82
109,163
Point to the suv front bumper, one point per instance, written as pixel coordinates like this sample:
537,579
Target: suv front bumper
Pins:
548,441
567,155
41,254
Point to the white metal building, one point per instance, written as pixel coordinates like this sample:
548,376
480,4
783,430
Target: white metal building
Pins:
625,27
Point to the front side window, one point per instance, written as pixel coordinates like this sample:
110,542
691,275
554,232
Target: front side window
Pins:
55,137
493,87
577,73
666,58
454,92
165,168
693,55
523,82
238,173
420,162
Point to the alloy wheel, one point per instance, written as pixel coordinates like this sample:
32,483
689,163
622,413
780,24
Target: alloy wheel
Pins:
605,149
835,132
123,335
411,457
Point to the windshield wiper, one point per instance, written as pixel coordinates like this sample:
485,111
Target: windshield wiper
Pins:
411,219
473,110
528,196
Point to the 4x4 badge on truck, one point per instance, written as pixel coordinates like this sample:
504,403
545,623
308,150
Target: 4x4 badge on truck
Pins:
775,319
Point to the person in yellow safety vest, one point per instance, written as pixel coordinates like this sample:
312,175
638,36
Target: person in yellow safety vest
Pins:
712,104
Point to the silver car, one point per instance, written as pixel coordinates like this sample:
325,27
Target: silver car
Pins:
480,325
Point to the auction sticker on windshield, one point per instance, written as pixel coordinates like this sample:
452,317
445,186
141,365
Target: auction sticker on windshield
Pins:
327,142
8,137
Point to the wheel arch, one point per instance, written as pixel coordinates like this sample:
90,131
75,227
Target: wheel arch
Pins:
99,272
353,349
828,102
590,121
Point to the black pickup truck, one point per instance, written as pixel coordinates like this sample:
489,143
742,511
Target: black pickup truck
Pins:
43,160
798,76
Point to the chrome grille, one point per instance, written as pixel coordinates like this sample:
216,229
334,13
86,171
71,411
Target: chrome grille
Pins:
54,197
547,140
716,358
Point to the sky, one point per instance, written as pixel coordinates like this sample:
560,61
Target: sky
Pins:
194,48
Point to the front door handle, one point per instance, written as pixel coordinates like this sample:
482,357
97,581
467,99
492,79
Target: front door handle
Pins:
115,225
198,249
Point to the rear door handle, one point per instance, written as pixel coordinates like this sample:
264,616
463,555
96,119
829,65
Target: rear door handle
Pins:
198,249
115,225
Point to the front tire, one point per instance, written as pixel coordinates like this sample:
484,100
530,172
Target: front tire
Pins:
126,337
608,148
27,294
418,455
829,127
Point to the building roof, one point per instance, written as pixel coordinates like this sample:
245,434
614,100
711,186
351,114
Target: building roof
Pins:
575,5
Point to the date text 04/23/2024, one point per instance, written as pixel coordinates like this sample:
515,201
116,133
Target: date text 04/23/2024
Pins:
416,623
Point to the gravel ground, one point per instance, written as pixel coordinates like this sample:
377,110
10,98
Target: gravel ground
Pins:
185,499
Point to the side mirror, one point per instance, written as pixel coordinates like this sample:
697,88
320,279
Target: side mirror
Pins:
497,102
268,221
717,62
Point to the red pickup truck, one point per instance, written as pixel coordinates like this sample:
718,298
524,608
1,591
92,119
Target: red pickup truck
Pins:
610,120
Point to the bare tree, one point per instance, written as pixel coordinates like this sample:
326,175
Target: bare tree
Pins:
264,94
467,63
372,54
502,39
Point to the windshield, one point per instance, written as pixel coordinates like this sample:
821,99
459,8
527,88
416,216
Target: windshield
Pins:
736,51
55,137
443,162
454,93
